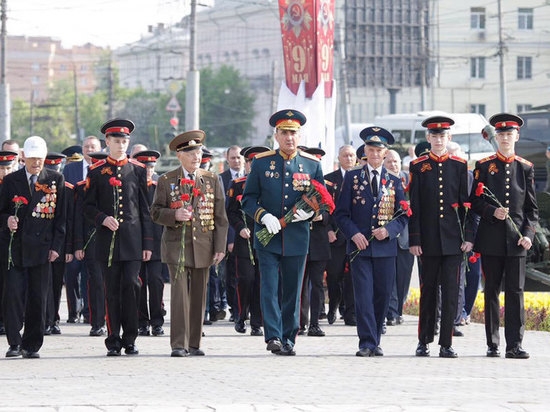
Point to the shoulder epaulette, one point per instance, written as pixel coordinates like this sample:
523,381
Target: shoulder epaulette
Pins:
265,154
328,183
97,164
458,159
420,159
308,156
82,182
135,162
240,179
486,159
208,173
356,167
524,161
70,186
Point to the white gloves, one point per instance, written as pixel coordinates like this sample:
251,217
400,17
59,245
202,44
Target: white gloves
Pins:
271,223
301,215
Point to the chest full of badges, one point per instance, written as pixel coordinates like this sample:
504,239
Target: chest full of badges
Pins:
45,208
206,208
386,207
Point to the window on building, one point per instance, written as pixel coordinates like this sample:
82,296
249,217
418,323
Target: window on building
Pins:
524,68
477,18
477,108
35,80
525,19
520,108
62,67
83,68
36,66
83,81
477,67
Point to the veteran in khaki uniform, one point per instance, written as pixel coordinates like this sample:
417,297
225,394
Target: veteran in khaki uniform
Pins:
203,222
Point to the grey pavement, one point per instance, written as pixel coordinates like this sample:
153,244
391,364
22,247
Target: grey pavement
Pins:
238,374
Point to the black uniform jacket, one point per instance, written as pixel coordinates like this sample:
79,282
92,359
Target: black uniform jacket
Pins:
435,185
41,222
511,181
333,182
135,232
235,216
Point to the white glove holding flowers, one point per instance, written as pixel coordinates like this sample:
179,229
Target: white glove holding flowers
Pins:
271,223
301,215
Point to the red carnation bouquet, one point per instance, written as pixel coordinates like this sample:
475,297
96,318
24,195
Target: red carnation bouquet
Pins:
114,182
18,202
189,192
485,191
317,198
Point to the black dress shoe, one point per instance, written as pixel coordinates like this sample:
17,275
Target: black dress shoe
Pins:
179,353
365,353
274,345
157,331
302,331
331,317
29,354
113,352
13,351
384,329
48,331
240,326
131,350
457,332
206,322
378,351
220,315
400,320
256,331
72,319
55,330
287,350
315,330
2,330
390,322
232,318
86,319
144,331
493,352
447,352
195,352
422,350
517,353
350,322
322,315
97,331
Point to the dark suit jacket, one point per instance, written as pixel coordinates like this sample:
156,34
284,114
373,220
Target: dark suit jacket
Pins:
334,182
235,215
319,246
226,180
73,172
36,235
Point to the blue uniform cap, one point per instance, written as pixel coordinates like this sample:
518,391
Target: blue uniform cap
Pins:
422,149
377,136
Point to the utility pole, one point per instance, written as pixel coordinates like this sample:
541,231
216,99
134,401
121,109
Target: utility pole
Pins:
423,56
111,91
4,87
501,49
193,76
76,107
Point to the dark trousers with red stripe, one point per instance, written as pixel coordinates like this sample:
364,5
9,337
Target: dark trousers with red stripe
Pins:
444,271
122,289
151,278
25,293
312,292
248,290
96,293
512,268
57,271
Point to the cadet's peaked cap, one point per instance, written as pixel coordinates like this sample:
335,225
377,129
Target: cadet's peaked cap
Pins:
252,151
6,157
505,121
422,148
360,152
206,155
147,157
315,151
437,124
97,156
53,158
376,136
187,141
71,150
118,128
287,119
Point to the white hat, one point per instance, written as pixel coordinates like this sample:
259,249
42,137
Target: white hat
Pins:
35,146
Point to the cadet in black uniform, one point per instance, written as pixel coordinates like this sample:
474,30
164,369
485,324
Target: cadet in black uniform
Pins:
437,181
84,245
248,273
151,271
503,249
53,162
38,234
116,200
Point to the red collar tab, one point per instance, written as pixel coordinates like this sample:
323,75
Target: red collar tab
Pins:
502,125
505,159
117,130
439,158
114,162
439,126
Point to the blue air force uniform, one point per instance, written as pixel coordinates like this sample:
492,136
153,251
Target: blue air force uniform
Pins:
275,183
373,269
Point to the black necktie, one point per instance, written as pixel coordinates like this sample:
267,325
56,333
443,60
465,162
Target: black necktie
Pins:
32,181
374,184
192,176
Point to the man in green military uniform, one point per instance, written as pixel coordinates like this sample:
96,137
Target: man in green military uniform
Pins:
276,182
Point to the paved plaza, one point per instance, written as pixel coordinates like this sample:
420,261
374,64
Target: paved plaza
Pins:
238,374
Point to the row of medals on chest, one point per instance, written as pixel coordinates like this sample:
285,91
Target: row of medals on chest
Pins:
45,209
300,181
205,205
386,204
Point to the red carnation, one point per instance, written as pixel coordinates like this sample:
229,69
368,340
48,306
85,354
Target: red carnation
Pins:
113,181
472,259
409,212
239,198
384,181
185,197
196,192
480,189
326,198
20,199
455,205
187,182
467,205
404,204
